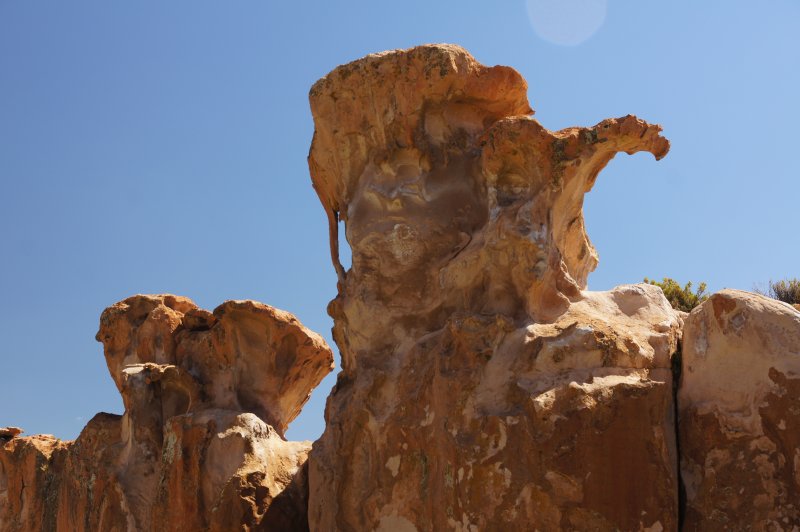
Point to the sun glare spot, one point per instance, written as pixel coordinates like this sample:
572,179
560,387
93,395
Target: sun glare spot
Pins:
566,22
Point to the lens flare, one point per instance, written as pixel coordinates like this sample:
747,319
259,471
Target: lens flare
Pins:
566,22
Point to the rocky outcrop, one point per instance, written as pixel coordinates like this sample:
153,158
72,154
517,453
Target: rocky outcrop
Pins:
482,388
739,412
200,446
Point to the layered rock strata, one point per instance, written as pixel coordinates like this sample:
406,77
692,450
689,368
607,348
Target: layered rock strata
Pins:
482,388
739,412
200,446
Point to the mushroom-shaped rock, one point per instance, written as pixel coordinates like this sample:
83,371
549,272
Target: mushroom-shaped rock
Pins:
245,356
453,198
200,445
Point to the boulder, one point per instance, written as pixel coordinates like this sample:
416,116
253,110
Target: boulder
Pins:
739,414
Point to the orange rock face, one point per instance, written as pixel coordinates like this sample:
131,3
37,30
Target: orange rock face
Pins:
482,388
200,446
739,412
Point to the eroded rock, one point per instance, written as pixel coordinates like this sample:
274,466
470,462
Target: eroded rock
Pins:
245,356
24,467
10,432
482,387
739,413
200,446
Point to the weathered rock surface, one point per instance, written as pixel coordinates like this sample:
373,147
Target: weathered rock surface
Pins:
482,387
10,432
200,446
739,414
487,424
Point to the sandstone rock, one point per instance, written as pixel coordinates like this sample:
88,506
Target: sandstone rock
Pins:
245,356
482,387
452,174
10,432
200,446
739,414
24,467
249,477
489,425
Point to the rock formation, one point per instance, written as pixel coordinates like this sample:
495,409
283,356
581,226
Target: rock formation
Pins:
200,446
481,387
6,433
739,412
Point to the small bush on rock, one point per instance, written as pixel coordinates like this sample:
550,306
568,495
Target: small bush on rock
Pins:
681,298
786,290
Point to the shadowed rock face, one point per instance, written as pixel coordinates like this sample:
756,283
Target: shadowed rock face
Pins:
200,446
481,387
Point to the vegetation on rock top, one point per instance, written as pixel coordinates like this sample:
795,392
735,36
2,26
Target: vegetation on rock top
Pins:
681,298
786,290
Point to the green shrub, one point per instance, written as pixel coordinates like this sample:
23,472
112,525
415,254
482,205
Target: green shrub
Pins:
786,290
681,298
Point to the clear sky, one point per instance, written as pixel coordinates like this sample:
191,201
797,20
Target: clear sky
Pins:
150,147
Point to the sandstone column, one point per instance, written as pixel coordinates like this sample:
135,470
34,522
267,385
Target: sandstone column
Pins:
482,388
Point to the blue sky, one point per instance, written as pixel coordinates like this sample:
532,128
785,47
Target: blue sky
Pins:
150,147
